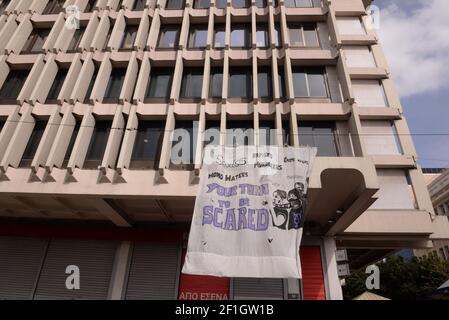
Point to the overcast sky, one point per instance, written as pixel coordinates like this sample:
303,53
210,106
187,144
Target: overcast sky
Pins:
415,38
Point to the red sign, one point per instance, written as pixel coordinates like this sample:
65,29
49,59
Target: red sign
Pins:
193,287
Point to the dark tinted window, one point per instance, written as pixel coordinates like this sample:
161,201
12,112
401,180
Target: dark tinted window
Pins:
57,86
168,37
147,146
97,145
262,36
198,36
192,82
216,82
240,82
320,135
219,36
76,39
139,5
129,36
239,133
159,85
36,40
69,150
184,145
309,82
212,133
240,36
264,82
267,133
33,143
241,3
13,85
54,7
115,84
201,4
174,4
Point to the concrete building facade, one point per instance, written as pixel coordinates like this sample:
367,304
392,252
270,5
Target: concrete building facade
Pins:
90,116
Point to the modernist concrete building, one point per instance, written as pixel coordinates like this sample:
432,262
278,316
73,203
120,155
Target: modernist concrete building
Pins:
438,184
88,116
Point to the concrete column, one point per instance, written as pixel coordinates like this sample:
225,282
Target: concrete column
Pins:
86,41
112,4
58,27
117,32
83,80
102,32
334,291
120,270
61,140
128,140
19,140
7,31
72,76
32,79
102,79
45,81
37,6
82,142
142,32
130,79
8,130
47,140
115,138
142,80
20,36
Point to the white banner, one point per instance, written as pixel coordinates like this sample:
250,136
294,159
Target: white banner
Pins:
249,212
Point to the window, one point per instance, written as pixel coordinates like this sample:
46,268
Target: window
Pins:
175,4
36,40
267,133
139,5
198,36
239,133
277,35
76,39
115,84
147,146
319,135
202,4
394,191
241,3
54,7
262,36
216,82
192,81
221,4
56,86
159,85
33,143
282,84
91,4
240,36
184,145
350,26
129,36
303,35
212,133
168,37
286,134
261,3
91,86
369,93
380,137
309,82
12,86
219,37
264,82
240,82
299,3
359,57
97,145
69,150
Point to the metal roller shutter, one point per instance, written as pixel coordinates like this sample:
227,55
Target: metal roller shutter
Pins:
20,262
153,272
312,274
258,288
95,260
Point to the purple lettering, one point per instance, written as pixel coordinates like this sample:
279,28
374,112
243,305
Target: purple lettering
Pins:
251,219
242,219
230,220
208,215
216,212
262,219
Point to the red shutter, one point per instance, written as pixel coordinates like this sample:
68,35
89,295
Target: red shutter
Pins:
312,273
193,287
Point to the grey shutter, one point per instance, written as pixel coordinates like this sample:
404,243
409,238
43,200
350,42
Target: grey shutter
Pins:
323,34
334,85
258,288
153,272
20,262
95,261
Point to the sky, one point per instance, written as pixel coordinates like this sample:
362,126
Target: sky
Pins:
415,37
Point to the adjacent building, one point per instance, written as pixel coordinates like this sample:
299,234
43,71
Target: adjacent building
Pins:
89,116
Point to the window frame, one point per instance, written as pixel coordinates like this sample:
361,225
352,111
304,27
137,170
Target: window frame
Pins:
162,37
143,162
247,35
307,71
187,83
193,34
299,27
159,71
